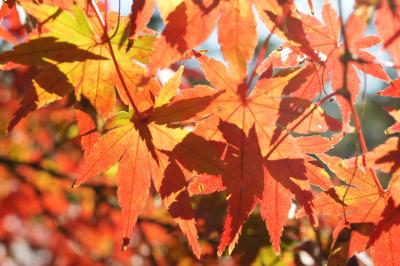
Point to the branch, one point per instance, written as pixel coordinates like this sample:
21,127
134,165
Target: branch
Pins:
12,164
34,165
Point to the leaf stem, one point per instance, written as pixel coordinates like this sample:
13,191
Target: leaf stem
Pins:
318,104
347,95
364,148
260,57
116,65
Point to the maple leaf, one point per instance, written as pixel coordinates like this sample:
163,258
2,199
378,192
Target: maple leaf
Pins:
64,4
385,157
83,64
236,28
359,190
237,35
10,13
387,23
396,126
183,20
236,31
323,41
141,13
87,128
363,209
315,145
219,166
258,152
381,237
136,140
384,241
275,14
393,90
243,180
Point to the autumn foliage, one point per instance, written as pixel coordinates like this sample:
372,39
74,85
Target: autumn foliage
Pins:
104,161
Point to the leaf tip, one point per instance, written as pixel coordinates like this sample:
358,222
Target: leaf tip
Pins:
277,250
219,253
125,243
74,184
198,53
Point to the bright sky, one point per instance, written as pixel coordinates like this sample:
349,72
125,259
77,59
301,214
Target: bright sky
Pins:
301,4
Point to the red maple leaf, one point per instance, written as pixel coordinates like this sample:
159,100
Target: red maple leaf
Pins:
137,139
326,55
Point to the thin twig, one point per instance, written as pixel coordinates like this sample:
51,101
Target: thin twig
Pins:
260,57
